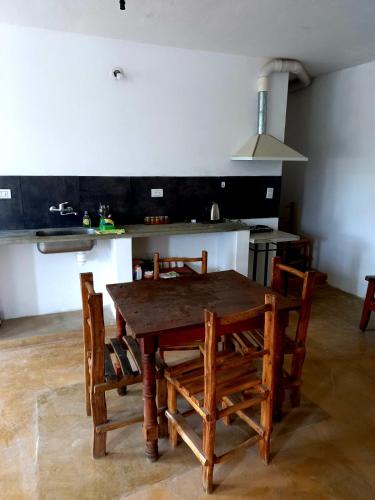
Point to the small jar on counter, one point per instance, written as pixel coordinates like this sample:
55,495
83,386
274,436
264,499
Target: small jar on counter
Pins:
137,272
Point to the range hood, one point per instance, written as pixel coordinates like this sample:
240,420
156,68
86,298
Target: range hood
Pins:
267,147
263,146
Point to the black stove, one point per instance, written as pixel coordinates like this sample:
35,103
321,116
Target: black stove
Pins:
259,228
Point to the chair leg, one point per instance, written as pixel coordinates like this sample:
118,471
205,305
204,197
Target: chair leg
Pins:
122,391
279,391
366,311
172,408
228,419
295,397
266,423
296,374
209,429
87,385
162,404
99,413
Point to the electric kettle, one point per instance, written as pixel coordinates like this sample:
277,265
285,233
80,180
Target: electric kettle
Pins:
214,212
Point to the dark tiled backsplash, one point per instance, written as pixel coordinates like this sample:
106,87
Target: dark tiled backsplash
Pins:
130,199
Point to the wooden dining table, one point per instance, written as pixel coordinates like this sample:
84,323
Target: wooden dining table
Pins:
169,312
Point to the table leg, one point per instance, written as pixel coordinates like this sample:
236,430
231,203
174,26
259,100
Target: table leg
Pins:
120,325
266,251
279,388
150,424
255,261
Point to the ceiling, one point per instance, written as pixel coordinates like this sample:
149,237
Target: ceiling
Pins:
326,35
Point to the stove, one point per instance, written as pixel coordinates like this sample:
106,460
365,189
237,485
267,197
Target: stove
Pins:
259,228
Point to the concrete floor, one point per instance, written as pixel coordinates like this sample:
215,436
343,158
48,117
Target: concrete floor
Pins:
323,450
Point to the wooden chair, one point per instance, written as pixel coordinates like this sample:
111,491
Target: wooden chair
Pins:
369,304
298,255
229,379
114,365
295,347
185,270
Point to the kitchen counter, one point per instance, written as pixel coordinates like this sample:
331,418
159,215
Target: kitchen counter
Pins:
272,237
266,239
10,237
26,288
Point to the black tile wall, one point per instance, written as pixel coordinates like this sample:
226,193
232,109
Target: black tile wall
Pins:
245,197
142,203
112,191
130,199
40,193
195,196
11,215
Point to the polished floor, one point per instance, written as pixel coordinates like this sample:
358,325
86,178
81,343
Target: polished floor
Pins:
323,450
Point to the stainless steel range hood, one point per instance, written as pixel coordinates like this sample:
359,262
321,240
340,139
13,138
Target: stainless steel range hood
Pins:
264,146
267,147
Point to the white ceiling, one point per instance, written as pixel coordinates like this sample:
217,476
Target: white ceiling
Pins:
325,34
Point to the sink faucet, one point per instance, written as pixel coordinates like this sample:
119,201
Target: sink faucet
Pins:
62,209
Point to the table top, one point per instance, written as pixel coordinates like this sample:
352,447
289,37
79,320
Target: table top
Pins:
274,237
150,307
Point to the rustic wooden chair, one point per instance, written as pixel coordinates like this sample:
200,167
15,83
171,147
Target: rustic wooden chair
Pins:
113,365
185,270
228,379
295,347
369,304
298,254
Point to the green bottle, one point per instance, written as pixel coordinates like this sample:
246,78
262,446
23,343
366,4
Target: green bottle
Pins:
86,221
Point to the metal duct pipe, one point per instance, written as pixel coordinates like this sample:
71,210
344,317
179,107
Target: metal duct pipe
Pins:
303,79
262,112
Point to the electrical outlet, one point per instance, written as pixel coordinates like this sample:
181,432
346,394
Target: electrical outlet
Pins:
222,184
5,194
157,193
269,193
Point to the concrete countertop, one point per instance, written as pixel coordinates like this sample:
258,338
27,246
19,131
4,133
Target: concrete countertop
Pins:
272,237
10,237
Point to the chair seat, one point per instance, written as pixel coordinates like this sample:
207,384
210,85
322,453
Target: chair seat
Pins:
251,341
122,359
184,271
234,373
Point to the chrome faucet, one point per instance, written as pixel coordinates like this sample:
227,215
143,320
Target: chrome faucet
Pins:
62,209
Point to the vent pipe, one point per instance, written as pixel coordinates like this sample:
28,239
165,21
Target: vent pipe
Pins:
278,66
264,146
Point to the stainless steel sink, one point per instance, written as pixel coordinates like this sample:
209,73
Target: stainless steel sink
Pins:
58,244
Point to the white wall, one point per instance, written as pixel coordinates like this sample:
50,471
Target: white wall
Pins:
178,112
333,123
32,283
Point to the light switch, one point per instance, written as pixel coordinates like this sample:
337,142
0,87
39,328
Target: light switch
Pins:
269,193
5,194
157,193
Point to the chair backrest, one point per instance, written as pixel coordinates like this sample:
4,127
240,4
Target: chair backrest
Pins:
216,326
203,259
280,273
93,327
298,253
